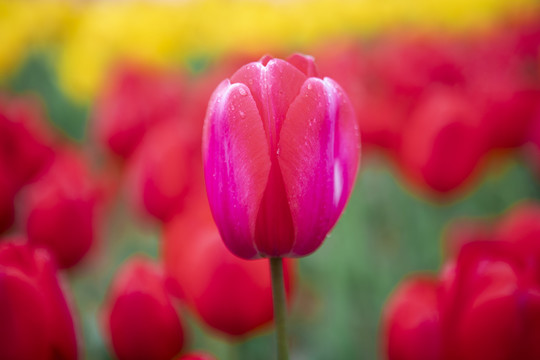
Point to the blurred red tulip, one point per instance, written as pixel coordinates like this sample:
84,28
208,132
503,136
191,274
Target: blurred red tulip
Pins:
481,312
231,295
25,140
499,85
197,356
140,319
61,209
521,226
136,98
411,324
165,169
488,296
408,65
442,143
36,322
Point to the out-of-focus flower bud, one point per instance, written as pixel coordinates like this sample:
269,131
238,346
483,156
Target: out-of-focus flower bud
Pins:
136,99
230,294
36,322
25,140
442,143
140,319
61,209
281,152
411,324
164,170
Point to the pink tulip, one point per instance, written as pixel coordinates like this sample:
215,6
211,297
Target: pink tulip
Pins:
281,152
36,322
140,318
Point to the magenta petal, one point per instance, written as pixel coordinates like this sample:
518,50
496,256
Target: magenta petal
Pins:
318,157
274,87
236,164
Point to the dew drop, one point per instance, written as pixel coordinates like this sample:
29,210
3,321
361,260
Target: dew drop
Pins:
242,91
309,86
242,114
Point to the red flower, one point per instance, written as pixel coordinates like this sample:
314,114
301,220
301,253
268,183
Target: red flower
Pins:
411,324
137,98
36,320
442,143
486,300
61,209
140,318
231,295
164,170
25,141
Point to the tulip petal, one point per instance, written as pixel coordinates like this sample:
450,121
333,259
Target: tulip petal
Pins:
237,165
305,64
274,87
318,157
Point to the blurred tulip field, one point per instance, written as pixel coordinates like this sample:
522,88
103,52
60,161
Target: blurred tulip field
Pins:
108,249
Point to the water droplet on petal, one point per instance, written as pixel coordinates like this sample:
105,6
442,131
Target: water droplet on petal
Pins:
242,114
242,91
309,86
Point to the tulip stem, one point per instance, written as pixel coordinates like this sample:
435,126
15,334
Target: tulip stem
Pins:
278,293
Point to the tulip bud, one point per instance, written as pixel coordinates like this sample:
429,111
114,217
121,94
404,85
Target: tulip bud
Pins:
429,153
61,209
36,322
412,329
229,294
137,98
481,308
164,170
140,319
25,142
280,153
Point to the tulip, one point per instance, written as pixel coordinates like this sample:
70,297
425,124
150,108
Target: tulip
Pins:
61,209
136,99
164,171
36,319
25,140
139,317
280,153
232,296
483,311
412,329
429,155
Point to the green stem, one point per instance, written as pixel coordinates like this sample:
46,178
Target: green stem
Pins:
280,307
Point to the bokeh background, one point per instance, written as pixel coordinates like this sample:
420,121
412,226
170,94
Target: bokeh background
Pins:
447,99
